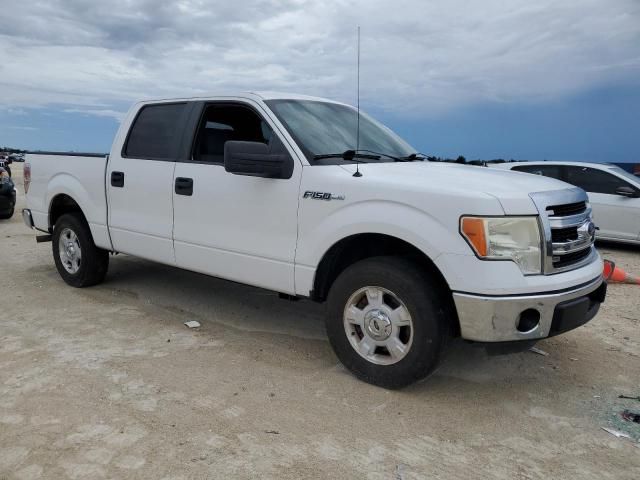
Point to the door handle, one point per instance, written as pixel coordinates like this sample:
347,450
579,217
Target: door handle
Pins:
117,179
184,186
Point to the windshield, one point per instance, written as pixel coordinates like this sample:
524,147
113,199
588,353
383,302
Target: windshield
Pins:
624,173
321,128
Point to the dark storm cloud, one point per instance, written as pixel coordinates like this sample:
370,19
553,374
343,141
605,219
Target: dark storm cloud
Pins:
417,54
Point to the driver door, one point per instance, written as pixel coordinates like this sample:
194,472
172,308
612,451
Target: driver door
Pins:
236,227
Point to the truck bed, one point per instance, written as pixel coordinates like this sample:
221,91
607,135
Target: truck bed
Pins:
81,177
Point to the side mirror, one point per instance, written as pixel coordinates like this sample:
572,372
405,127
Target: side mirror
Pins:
627,192
254,159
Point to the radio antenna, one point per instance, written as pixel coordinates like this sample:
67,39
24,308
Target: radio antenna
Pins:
358,174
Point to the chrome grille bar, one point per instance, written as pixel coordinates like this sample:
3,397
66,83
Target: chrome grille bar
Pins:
563,248
573,220
561,256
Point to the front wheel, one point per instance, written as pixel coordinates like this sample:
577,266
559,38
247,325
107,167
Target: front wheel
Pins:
79,262
387,321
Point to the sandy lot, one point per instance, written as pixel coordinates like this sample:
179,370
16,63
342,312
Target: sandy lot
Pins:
107,382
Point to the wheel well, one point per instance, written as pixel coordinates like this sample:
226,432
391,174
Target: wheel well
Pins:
358,247
60,205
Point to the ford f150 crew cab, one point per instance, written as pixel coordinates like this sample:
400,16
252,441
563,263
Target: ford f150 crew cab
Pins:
284,192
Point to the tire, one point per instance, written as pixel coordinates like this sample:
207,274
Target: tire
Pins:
7,215
370,300
87,269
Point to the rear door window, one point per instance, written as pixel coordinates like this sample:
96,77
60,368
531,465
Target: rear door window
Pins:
156,132
553,171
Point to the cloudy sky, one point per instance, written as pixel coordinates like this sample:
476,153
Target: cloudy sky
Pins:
514,78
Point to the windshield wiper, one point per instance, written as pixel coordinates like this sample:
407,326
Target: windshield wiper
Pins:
394,158
408,158
414,156
349,155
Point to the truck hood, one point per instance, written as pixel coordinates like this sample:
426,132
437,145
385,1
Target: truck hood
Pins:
510,188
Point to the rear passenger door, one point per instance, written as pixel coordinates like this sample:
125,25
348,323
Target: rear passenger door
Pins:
140,182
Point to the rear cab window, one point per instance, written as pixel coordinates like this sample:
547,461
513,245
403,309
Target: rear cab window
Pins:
156,132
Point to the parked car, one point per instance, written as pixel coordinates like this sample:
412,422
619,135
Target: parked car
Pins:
16,157
7,195
265,190
614,194
5,161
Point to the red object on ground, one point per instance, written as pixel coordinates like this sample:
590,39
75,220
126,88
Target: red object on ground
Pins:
617,275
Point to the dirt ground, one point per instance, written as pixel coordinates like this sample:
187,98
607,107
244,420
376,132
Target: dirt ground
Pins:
107,382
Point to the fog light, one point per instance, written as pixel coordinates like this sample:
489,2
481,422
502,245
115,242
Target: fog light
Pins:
529,320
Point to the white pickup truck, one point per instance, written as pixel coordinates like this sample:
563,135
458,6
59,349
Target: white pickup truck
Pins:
284,192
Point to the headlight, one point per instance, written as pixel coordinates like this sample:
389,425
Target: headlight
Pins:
505,238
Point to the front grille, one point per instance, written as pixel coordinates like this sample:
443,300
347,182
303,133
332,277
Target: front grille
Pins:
568,259
567,210
566,234
566,220
570,237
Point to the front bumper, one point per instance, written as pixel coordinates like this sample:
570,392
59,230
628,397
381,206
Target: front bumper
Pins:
527,317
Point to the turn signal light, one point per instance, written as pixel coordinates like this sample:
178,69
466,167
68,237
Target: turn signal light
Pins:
474,231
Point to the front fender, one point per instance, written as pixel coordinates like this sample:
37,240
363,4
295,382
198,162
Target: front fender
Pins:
318,233
395,219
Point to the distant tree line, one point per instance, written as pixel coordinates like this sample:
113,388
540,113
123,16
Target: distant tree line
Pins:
12,150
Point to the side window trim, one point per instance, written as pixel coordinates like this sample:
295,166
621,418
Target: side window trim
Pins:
190,131
177,144
196,132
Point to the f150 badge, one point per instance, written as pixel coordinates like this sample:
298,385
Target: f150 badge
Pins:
322,196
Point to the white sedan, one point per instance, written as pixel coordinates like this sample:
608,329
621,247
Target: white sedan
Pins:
614,194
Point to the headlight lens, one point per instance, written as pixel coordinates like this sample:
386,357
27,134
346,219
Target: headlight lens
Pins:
505,238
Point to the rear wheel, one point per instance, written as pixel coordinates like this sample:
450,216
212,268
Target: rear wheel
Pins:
6,215
79,262
387,321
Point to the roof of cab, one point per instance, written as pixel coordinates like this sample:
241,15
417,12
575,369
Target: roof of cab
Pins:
267,95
